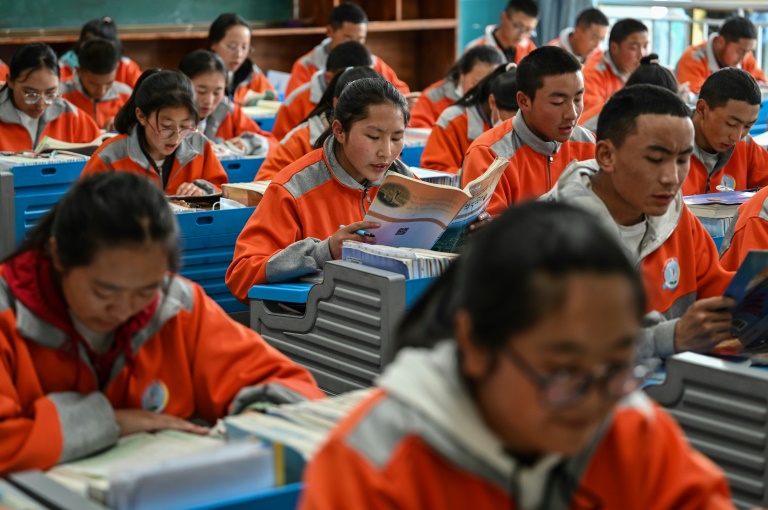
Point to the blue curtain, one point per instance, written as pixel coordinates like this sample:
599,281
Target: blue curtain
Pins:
556,15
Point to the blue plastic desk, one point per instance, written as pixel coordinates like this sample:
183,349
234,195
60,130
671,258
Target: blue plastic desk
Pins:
281,498
761,126
411,155
265,123
243,169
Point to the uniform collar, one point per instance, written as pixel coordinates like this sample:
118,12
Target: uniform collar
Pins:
317,86
217,116
615,70
522,130
185,152
9,113
344,178
722,158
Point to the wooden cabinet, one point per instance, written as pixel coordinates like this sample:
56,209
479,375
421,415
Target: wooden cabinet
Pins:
417,38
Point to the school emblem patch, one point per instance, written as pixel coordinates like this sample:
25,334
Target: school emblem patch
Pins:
671,274
155,397
728,181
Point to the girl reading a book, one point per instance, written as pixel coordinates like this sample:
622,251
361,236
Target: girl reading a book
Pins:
221,119
31,107
99,338
492,101
532,399
316,203
159,138
230,38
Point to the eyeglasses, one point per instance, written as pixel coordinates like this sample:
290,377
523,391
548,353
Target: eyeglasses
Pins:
168,132
521,29
566,387
236,49
34,97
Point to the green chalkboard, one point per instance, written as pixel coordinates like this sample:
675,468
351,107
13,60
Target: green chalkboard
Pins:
74,13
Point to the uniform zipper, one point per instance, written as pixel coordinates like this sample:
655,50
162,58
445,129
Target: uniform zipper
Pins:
549,171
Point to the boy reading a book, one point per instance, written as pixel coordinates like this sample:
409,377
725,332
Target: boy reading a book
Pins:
725,157
644,145
543,138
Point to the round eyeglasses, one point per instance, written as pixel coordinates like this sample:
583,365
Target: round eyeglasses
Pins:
34,97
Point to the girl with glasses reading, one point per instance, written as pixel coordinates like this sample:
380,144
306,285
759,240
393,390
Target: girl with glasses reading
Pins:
529,399
159,138
30,105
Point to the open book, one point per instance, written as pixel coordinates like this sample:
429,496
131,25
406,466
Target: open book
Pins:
418,214
48,144
749,288
409,262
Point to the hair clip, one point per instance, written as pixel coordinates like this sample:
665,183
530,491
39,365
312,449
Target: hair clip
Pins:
511,65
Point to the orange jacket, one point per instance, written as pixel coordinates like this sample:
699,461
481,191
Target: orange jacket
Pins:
451,136
534,165
103,110
741,167
521,50
432,102
256,81
420,442
228,121
62,121
563,42
193,160
698,62
128,71
299,104
308,64
187,359
602,79
4,71
287,236
297,143
749,231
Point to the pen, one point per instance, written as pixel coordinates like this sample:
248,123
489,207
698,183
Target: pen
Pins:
361,232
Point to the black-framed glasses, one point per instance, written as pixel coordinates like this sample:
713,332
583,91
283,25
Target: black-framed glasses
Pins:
168,132
34,97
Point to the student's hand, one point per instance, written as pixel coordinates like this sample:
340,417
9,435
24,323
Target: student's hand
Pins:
347,233
705,324
187,189
109,125
483,220
132,421
238,142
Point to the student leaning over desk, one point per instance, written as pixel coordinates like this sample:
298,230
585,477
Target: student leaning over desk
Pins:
159,140
530,401
30,106
99,339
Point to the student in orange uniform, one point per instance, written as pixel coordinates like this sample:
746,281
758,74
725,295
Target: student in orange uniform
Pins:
4,70
301,139
220,118
159,140
488,104
748,231
649,72
303,100
531,402
127,72
99,339
346,22
542,138
585,39
731,46
473,66
93,87
606,73
645,141
296,228
30,106
725,157
512,36
230,38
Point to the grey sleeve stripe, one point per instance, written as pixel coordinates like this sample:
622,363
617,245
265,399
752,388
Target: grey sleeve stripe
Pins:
448,115
580,134
87,423
308,179
300,258
273,393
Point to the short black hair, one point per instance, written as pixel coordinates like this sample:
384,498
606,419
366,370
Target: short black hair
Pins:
543,62
591,17
527,7
624,28
347,12
98,56
619,116
504,90
654,74
730,83
736,27
348,54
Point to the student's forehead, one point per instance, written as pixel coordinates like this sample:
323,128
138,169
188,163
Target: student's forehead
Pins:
744,43
636,37
556,82
653,128
521,17
736,107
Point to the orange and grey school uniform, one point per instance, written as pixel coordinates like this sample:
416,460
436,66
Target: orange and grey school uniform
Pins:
288,234
248,77
522,49
420,442
62,121
748,231
182,356
4,71
588,119
743,166
297,143
193,161
299,104
677,258
127,72
534,165
563,42
602,79
451,136
699,61
102,110
308,64
432,102
228,121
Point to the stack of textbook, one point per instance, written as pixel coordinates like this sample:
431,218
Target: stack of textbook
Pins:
9,161
409,262
715,211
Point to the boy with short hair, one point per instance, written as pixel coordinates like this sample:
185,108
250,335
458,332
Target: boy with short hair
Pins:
606,73
543,138
512,36
585,38
725,157
93,88
731,46
644,143
347,22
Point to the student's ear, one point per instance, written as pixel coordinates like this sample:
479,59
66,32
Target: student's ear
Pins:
328,76
613,48
329,31
702,108
605,154
141,117
492,102
53,251
523,101
475,360
338,131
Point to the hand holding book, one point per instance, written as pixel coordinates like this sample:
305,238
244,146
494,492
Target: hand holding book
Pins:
351,233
